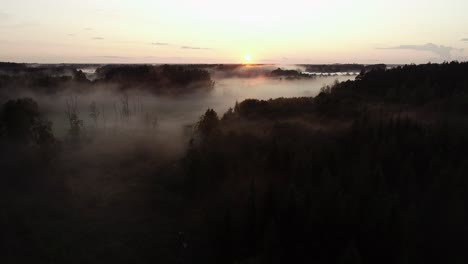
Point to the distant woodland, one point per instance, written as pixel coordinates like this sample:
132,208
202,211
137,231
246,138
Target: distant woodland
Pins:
164,79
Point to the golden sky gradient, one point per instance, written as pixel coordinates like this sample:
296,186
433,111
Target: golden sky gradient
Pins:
208,31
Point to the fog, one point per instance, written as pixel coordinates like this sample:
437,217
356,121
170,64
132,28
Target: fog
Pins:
227,91
166,115
135,117
138,135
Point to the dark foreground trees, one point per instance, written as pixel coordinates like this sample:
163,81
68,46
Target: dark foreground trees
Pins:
21,121
30,195
385,190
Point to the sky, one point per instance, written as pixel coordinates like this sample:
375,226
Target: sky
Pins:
214,31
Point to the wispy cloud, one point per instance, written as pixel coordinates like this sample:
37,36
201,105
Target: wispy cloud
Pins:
444,52
71,35
88,29
97,38
160,44
194,48
465,39
187,47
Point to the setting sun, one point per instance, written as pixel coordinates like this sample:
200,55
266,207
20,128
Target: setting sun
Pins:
247,58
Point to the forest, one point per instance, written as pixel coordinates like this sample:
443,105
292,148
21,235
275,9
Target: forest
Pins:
52,79
368,171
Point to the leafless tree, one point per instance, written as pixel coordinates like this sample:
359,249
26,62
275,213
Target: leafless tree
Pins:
125,110
94,113
72,114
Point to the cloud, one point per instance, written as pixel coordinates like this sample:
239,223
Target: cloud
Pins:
71,35
97,38
465,39
187,47
444,52
160,44
88,29
194,48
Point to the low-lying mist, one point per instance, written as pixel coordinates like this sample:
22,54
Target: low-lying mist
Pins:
116,106
140,111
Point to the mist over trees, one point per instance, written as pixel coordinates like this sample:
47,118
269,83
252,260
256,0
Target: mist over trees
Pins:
367,171
331,68
166,80
163,79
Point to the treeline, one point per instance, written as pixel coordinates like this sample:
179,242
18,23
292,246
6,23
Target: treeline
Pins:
11,67
290,74
332,68
163,79
411,84
323,107
42,81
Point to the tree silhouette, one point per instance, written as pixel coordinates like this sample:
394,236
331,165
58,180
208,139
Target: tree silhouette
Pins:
76,124
208,123
94,113
21,121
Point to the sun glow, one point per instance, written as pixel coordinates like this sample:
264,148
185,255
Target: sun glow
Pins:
247,58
